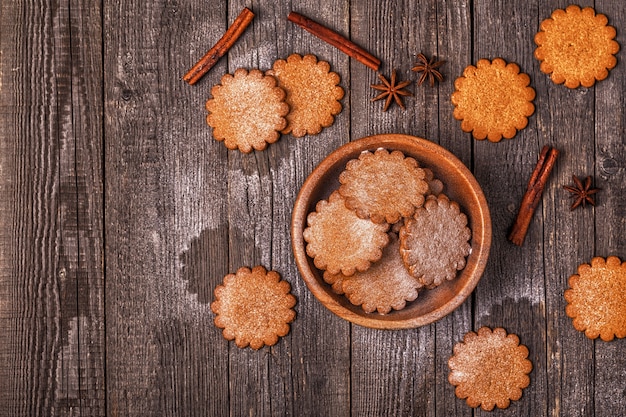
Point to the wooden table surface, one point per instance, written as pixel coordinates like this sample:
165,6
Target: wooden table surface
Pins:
119,212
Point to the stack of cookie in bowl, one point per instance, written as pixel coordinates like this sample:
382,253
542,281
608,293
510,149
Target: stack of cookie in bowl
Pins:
391,231
387,233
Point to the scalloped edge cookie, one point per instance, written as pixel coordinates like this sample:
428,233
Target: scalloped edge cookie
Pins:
576,46
313,93
254,307
247,110
434,243
435,185
383,186
340,241
386,285
493,99
489,368
596,299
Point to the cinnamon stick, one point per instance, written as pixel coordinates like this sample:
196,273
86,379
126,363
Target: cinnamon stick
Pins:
220,48
336,40
534,190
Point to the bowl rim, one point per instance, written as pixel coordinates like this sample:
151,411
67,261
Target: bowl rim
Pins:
481,240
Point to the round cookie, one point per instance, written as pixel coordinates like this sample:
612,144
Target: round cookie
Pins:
383,186
576,46
596,299
386,285
313,93
493,99
489,368
434,242
335,281
247,110
339,241
435,186
254,307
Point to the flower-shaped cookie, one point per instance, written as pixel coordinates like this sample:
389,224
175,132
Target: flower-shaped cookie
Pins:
383,186
435,186
493,99
339,241
597,298
247,110
489,368
335,280
434,242
313,93
576,46
254,307
384,286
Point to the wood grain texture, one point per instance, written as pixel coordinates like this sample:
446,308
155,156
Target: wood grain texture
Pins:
119,212
511,293
393,373
454,45
609,171
167,233
53,363
81,189
570,356
250,208
318,349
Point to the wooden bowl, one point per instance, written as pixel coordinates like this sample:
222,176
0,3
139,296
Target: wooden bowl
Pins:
459,184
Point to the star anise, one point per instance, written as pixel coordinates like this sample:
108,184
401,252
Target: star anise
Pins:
582,193
391,90
428,68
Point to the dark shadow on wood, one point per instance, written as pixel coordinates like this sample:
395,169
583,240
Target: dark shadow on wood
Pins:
196,263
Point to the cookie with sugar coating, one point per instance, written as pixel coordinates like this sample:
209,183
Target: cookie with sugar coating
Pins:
385,286
313,93
254,307
435,241
383,186
340,241
489,368
247,110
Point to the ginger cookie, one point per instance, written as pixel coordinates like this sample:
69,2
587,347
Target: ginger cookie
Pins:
596,299
435,186
254,307
313,93
493,99
576,46
489,368
386,285
339,241
383,186
335,281
435,241
247,110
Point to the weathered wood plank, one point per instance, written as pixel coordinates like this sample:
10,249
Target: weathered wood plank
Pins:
511,293
52,134
320,341
84,222
250,219
610,225
306,372
165,208
31,303
568,238
393,372
454,44
180,212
